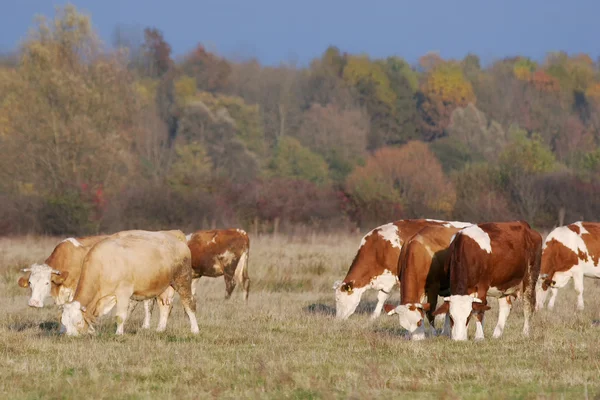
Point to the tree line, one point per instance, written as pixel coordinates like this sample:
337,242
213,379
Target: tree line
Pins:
96,138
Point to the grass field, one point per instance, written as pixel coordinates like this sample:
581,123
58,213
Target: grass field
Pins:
285,343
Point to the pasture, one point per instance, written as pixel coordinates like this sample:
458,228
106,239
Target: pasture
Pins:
285,343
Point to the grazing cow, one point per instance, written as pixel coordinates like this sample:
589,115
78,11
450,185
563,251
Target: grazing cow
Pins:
221,252
136,266
59,274
571,251
375,265
491,259
421,273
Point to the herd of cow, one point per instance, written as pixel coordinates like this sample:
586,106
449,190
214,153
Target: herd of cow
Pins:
89,276
462,262
465,264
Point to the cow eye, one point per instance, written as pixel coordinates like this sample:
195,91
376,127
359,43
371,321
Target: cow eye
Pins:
47,283
29,283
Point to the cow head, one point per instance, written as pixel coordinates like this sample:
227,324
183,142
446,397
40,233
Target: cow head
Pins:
347,298
40,280
459,309
74,320
553,282
411,318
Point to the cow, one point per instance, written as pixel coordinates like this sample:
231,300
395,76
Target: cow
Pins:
59,274
491,259
138,266
571,251
221,252
421,274
375,265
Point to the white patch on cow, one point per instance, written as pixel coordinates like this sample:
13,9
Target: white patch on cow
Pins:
385,281
567,238
409,320
457,224
72,319
188,237
582,230
243,232
64,295
40,283
390,233
227,257
346,303
479,236
460,309
73,241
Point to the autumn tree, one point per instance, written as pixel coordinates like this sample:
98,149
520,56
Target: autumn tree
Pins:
292,160
340,136
444,88
210,71
408,178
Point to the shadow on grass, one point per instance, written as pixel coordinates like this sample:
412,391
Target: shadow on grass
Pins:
364,308
47,327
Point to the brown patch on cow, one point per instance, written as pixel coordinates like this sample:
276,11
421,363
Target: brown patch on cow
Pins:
377,254
208,249
592,240
388,307
574,228
443,309
515,260
556,257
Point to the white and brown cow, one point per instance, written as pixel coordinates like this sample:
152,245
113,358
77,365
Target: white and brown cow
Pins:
221,252
571,251
491,259
138,266
375,265
422,276
59,274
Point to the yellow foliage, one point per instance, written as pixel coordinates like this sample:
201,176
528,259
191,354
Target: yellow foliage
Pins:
360,69
146,89
447,83
185,89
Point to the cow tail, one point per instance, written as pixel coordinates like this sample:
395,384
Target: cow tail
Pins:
241,271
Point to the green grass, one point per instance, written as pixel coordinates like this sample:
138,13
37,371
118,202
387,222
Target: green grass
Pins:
285,344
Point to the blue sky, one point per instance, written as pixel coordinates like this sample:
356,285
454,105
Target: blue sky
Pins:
280,30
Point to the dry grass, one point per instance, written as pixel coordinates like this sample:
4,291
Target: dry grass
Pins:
285,344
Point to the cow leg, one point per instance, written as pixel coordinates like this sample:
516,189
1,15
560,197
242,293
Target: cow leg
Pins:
553,293
479,318
504,305
183,286
148,306
165,305
123,302
382,296
229,285
578,285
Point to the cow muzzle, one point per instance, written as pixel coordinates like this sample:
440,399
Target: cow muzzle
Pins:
35,303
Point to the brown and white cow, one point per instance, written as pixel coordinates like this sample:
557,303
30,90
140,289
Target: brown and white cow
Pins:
59,274
422,276
491,259
221,252
137,266
375,265
571,251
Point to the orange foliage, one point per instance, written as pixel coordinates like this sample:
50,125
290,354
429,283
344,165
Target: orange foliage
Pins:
410,175
543,81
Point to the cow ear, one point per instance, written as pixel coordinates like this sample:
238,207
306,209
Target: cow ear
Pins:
426,307
389,309
23,282
480,307
443,309
60,279
348,287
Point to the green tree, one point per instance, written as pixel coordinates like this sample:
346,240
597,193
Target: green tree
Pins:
292,160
